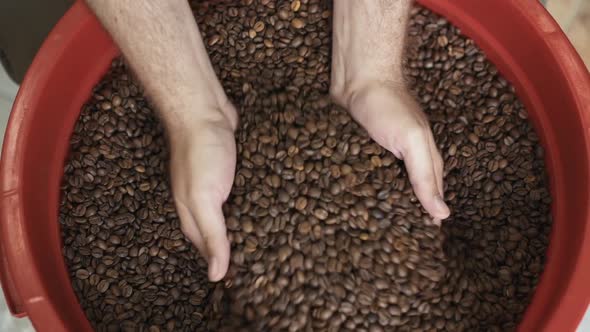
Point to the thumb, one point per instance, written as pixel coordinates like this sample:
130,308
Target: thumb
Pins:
425,180
211,223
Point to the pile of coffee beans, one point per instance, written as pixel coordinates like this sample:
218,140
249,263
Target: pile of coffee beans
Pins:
326,232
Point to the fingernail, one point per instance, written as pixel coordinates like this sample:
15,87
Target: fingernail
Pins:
213,268
442,207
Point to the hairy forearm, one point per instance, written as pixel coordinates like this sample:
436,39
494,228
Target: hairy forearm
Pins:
369,39
161,42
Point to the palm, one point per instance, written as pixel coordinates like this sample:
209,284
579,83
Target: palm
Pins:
395,121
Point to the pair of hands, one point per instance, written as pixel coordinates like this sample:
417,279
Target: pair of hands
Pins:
203,160
177,74
160,39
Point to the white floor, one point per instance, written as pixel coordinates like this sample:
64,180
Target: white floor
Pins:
8,91
10,324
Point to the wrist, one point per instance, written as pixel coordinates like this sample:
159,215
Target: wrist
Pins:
347,91
373,92
187,115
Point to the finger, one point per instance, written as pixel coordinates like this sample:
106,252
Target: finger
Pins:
438,172
438,166
190,229
420,167
211,223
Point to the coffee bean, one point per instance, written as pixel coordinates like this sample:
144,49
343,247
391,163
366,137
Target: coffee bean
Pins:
297,23
284,253
82,274
102,286
284,14
301,203
295,5
321,214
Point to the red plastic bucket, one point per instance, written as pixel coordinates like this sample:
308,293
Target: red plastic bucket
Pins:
519,36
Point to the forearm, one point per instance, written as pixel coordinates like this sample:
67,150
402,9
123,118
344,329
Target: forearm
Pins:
161,42
368,40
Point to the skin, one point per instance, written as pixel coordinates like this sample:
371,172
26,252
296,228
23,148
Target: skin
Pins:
162,43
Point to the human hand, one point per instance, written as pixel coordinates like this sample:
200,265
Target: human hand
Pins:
368,40
394,120
173,66
203,160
